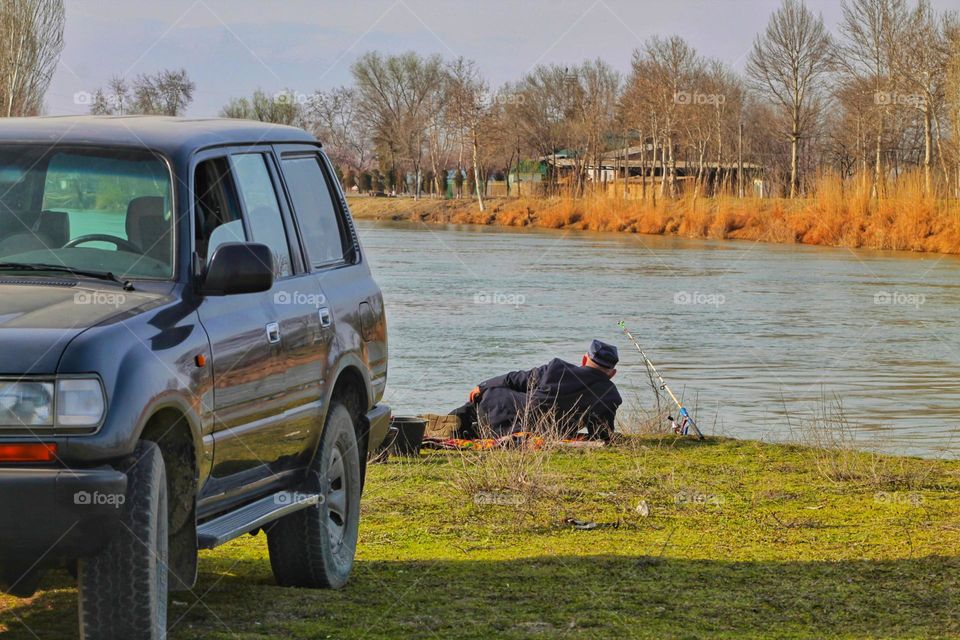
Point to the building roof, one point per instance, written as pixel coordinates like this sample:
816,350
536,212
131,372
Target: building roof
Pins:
160,133
612,163
633,151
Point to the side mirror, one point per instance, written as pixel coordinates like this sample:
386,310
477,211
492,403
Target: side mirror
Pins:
238,267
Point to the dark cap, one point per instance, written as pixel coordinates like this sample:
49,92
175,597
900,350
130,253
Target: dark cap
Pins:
603,354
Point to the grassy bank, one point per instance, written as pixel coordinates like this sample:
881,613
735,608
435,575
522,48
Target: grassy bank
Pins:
839,215
722,539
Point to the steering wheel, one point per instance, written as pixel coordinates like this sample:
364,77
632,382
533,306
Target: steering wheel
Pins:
119,243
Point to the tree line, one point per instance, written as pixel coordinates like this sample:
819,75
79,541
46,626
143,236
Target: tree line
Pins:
877,97
873,98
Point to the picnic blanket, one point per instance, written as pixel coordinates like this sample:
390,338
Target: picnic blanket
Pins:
511,441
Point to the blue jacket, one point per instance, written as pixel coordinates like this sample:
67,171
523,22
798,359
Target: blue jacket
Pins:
579,396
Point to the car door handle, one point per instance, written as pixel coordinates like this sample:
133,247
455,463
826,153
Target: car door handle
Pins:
273,333
325,318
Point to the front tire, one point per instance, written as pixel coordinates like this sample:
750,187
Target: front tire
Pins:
315,547
123,589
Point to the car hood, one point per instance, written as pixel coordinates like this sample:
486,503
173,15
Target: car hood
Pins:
39,319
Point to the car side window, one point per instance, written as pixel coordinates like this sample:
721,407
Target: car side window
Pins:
263,208
322,228
216,208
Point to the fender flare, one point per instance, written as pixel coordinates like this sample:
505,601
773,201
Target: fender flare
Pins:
350,361
175,400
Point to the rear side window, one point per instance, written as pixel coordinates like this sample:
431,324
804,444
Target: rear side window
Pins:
320,224
263,209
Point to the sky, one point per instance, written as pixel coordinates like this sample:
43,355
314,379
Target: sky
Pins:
232,47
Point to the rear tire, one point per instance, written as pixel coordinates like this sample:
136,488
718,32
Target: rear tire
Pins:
123,589
315,547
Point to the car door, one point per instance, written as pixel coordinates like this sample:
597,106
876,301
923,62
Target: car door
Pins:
304,317
252,447
332,252
304,190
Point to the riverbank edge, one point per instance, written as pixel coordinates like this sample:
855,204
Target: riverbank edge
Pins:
926,226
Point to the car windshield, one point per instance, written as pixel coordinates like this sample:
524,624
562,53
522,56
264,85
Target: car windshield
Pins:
93,210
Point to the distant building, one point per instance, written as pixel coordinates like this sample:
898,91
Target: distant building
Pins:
636,164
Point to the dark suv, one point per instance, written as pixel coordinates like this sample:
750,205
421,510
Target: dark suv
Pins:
191,348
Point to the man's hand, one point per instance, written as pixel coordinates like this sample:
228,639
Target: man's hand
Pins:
475,395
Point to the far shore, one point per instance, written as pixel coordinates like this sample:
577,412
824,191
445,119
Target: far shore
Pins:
901,224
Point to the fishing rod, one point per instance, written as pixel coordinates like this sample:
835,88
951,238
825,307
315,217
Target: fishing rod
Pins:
687,423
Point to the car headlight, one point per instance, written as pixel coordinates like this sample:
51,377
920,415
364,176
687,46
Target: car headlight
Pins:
80,402
26,404
67,402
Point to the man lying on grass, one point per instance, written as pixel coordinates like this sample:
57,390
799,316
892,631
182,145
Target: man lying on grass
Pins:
559,396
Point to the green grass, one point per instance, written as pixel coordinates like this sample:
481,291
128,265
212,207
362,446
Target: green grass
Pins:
742,539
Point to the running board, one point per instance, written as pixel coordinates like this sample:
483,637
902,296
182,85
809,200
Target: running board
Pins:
252,516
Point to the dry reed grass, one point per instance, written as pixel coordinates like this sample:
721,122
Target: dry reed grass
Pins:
838,213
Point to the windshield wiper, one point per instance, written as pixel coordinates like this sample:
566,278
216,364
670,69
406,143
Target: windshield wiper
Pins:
59,268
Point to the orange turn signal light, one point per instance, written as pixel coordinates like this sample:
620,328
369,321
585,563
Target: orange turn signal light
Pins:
34,452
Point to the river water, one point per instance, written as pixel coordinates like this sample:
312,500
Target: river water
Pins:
759,338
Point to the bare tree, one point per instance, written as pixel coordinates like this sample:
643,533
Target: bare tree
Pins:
99,105
595,109
670,66
727,111
280,108
849,127
639,115
469,100
166,93
871,32
538,112
394,94
786,65
379,106
441,137
118,96
31,40
952,37
333,118
922,68
509,138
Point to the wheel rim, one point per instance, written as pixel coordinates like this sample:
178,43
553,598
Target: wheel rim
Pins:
336,500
